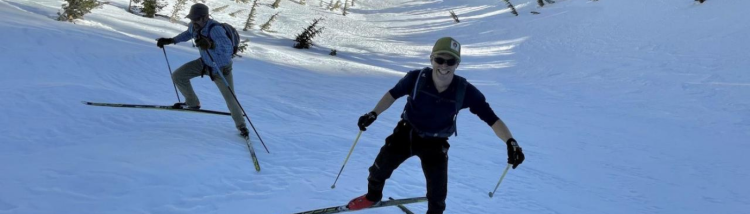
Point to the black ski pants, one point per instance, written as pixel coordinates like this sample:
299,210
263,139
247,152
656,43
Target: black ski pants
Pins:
403,144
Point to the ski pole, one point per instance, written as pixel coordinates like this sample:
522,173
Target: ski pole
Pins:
238,101
170,74
501,180
347,159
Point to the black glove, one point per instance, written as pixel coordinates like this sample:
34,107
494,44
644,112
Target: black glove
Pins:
366,120
515,153
204,43
164,41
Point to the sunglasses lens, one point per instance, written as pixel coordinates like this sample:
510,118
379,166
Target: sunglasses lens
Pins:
450,62
439,60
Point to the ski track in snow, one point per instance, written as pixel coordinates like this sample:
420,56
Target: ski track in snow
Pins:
621,107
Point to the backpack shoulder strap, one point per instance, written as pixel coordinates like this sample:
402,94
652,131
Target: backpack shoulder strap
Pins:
419,84
460,92
211,27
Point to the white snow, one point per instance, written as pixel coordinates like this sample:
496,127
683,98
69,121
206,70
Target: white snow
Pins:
620,106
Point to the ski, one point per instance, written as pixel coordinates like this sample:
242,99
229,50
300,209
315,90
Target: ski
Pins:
392,202
402,207
155,107
252,153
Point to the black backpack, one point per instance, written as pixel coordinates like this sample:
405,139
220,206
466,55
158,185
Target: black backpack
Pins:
231,33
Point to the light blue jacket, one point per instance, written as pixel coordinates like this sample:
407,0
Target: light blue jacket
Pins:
222,53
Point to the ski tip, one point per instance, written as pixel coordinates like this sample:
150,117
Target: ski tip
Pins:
333,186
491,194
85,102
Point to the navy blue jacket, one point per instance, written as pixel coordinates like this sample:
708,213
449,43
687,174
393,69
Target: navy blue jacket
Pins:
433,112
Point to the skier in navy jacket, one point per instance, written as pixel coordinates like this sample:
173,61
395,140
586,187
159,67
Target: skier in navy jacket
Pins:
435,96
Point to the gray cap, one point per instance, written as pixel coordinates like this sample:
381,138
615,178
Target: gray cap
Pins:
197,11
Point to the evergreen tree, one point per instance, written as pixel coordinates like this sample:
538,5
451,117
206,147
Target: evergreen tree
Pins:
276,4
243,46
346,7
267,25
304,40
178,6
251,17
454,16
219,9
336,6
151,7
75,9
233,14
512,9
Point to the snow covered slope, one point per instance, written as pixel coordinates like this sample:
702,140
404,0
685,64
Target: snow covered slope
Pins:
621,107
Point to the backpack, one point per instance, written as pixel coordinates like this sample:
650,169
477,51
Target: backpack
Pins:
460,94
231,33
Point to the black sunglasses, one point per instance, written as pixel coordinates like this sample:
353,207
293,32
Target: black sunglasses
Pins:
449,62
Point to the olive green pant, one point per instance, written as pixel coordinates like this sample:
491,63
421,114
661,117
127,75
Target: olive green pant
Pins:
193,69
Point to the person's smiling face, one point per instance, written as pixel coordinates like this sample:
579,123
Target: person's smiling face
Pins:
444,66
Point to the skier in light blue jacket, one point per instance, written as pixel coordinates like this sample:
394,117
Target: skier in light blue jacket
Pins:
216,52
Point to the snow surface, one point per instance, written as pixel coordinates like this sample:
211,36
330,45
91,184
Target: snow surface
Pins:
621,107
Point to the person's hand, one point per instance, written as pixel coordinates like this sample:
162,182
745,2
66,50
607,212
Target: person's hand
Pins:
164,41
366,120
515,153
204,43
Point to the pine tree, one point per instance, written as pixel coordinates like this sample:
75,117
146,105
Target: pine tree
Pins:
346,7
540,2
267,25
75,9
219,9
304,40
251,17
130,5
276,4
454,16
178,6
233,14
243,46
150,7
302,2
352,3
336,6
512,9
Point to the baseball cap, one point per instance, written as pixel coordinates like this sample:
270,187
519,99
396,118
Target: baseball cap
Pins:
447,45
